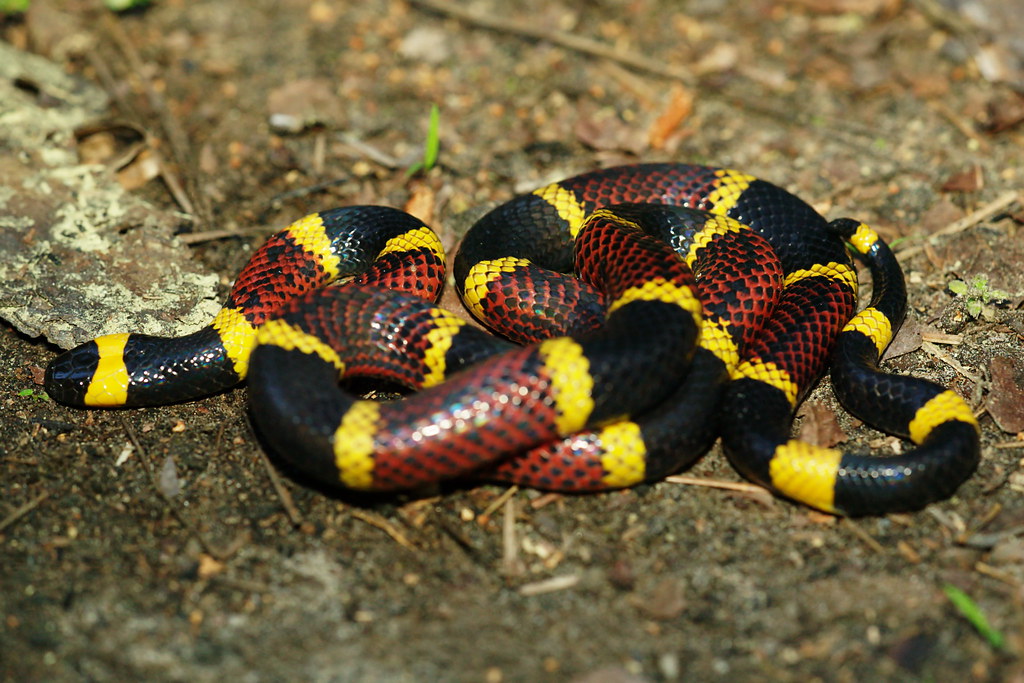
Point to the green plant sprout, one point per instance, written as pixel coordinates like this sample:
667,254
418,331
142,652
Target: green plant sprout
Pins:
31,393
977,294
114,5
970,611
432,145
13,5
121,5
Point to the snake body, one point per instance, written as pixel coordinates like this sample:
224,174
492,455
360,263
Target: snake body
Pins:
631,366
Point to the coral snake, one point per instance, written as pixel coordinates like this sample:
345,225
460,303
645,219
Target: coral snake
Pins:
661,306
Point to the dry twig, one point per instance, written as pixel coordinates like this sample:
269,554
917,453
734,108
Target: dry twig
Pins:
863,535
934,351
485,516
384,525
23,510
567,40
216,552
555,583
192,200
510,562
221,234
993,208
754,491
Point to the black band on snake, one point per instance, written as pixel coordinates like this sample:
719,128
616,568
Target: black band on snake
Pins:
661,305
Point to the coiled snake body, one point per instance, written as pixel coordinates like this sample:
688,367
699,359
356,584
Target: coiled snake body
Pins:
631,369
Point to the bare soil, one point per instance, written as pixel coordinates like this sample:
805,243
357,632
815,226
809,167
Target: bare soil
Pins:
160,544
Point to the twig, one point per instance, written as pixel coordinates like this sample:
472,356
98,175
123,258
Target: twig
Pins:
960,124
216,552
288,195
997,205
23,510
997,574
510,562
972,219
944,18
372,152
212,235
128,108
283,494
385,526
195,202
124,104
546,499
950,521
555,583
934,351
247,585
1004,479
643,90
864,536
462,540
851,131
752,490
485,516
988,540
936,337
566,40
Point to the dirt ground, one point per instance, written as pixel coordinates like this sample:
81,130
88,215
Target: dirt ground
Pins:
160,544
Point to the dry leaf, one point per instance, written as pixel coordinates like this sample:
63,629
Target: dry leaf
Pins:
167,479
939,215
970,180
303,103
97,148
1006,397
907,339
421,203
666,601
209,567
680,106
605,131
1004,112
144,167
819,426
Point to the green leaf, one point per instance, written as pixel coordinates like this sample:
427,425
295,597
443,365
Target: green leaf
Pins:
13,5
121,5
970,611
958,287
998,294
31,393
433,146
